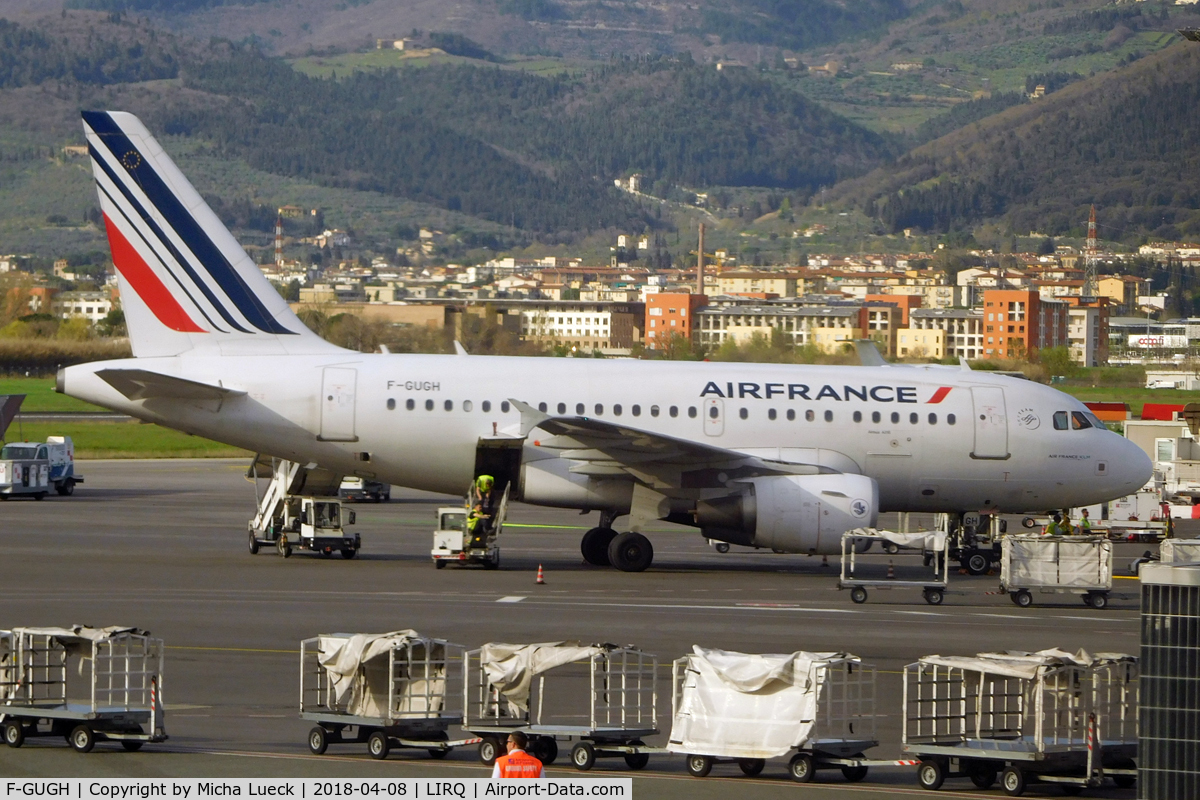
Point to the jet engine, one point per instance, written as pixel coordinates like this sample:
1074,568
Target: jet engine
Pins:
792,513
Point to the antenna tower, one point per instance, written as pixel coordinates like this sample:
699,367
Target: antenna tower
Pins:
1089,263
279,240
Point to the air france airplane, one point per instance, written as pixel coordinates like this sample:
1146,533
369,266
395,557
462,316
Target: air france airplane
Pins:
777,456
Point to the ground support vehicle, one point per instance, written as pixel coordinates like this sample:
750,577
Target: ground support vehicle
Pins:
741,708
387,690
857,577
454,542
354,489
288,520
974,540
1080,565
1154,530
37,468
1045,717
115,672
540,688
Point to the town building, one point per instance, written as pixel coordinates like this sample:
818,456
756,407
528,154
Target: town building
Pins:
587,326
828,328
92,306
1019,322
671,314
962,333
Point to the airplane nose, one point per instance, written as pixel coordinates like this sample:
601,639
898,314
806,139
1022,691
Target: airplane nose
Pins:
1131,466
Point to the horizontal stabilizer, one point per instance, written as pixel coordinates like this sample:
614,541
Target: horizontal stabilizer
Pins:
868,353
140,384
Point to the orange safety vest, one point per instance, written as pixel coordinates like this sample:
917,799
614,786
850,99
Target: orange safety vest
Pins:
519,764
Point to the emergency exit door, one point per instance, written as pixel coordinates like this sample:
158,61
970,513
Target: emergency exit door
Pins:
991,422
337,404
714,416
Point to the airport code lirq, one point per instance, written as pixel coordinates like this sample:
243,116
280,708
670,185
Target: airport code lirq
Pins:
192,789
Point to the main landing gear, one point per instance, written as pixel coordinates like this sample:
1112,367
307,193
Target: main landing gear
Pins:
628,552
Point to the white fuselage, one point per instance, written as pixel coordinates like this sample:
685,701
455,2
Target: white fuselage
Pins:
934,438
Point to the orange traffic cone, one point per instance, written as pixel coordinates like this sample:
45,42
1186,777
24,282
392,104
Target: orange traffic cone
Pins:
891,571
540,579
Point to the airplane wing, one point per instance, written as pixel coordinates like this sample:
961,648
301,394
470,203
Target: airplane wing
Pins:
140,384
661,462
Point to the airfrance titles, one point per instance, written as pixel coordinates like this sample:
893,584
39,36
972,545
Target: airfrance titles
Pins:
882,393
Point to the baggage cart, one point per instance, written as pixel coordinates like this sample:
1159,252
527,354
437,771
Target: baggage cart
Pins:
1048,717
387,690
856,574
1080,565
545,690
1179,551
83,684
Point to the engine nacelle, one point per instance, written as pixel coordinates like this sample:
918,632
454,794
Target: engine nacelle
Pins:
792,513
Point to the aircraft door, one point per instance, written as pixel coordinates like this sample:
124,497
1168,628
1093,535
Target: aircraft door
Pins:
714,416
337,404
991,422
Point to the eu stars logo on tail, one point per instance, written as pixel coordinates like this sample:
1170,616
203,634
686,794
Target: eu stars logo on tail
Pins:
185,281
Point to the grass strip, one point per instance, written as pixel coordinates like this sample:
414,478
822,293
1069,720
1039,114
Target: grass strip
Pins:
124,440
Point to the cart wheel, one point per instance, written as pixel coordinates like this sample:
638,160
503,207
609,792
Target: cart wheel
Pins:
699,766
131,745
1012,780
1087,599
858,594
438,753
82,739
489,749
349,553
378,745
439,564
544,749
636,761
1099,600
40,496
801,768
855,774
891,548
318,740
253,544
984,778
930,775
721,547
934,597
751,766
1022,597
977,564
282,546
583,756
14,733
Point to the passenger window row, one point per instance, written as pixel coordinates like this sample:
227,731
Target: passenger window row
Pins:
713,412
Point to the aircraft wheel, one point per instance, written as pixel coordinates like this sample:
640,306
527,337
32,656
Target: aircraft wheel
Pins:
631,552
594,546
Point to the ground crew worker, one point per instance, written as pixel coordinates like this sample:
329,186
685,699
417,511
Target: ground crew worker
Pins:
518,763
1054,528
483,502
1085,524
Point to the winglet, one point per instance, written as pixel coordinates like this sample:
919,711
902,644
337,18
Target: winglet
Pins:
530,416
459,349
962,362
868,353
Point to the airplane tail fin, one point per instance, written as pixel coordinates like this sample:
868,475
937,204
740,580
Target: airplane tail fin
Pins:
185,282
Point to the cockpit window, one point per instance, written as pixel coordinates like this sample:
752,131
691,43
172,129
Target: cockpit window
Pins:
1060,420
1079,421
1092,418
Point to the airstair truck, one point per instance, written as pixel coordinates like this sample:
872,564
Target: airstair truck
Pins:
295,512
